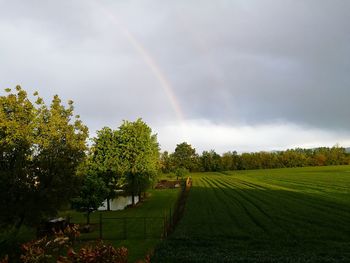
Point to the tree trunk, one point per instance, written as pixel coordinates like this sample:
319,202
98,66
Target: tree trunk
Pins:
139,196
133,190
108,204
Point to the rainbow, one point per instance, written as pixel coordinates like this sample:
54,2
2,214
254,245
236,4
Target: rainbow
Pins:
150,62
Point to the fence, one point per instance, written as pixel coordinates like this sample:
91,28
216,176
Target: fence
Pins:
171,221
122,228
114,228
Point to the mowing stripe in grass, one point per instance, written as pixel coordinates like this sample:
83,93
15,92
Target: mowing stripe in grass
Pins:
322,210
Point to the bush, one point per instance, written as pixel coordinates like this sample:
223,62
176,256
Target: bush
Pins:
98,253
58,248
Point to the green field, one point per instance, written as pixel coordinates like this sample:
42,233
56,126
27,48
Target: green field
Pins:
139,241
279,215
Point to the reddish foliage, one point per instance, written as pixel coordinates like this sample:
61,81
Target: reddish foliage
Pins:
5,259
99,253
51,249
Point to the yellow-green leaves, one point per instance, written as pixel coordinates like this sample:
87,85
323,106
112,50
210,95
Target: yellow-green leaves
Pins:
40,149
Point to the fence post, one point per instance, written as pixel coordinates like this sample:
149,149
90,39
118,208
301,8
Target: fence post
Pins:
101,226
165,226
170,219
125,228
144,227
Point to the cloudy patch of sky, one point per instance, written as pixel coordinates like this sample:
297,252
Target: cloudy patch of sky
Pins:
246,75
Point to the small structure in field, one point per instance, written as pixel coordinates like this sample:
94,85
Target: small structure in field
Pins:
51,226
165,184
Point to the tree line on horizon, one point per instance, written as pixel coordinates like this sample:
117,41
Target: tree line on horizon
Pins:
185,158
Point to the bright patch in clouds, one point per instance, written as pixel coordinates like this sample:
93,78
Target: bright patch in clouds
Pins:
205,135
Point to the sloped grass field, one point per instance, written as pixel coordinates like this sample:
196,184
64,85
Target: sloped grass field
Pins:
277,215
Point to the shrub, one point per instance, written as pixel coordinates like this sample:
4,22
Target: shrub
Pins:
98,253
53,249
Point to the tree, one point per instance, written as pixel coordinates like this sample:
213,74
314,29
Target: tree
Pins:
211,161
180,172
165,162
40,149
230,161
184,156
138,155
92,194
17,116
104,160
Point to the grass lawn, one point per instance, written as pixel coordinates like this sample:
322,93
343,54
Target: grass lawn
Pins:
158,203
277,215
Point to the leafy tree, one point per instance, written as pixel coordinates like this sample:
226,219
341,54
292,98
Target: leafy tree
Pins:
165,162
230,161
40,149
92,194
104,160
180,172
138,155
184,156
227,161
17,116
337,155
211,161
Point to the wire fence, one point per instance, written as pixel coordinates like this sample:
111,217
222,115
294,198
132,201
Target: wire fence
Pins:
123,228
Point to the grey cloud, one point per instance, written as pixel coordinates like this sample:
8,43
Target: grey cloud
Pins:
249,62
272,60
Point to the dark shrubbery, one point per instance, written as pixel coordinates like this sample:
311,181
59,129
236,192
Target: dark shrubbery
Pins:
59,248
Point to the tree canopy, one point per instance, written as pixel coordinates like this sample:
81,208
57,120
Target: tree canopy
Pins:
210,161
40,149
92,194
104,160
138,152
185,156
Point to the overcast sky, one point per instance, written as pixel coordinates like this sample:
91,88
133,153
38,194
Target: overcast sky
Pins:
245,75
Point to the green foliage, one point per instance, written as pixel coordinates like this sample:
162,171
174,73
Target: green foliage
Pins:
92,194
292,158
165,162
211,161
40,149
138,155
104,160
185,157
180,172
126,158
